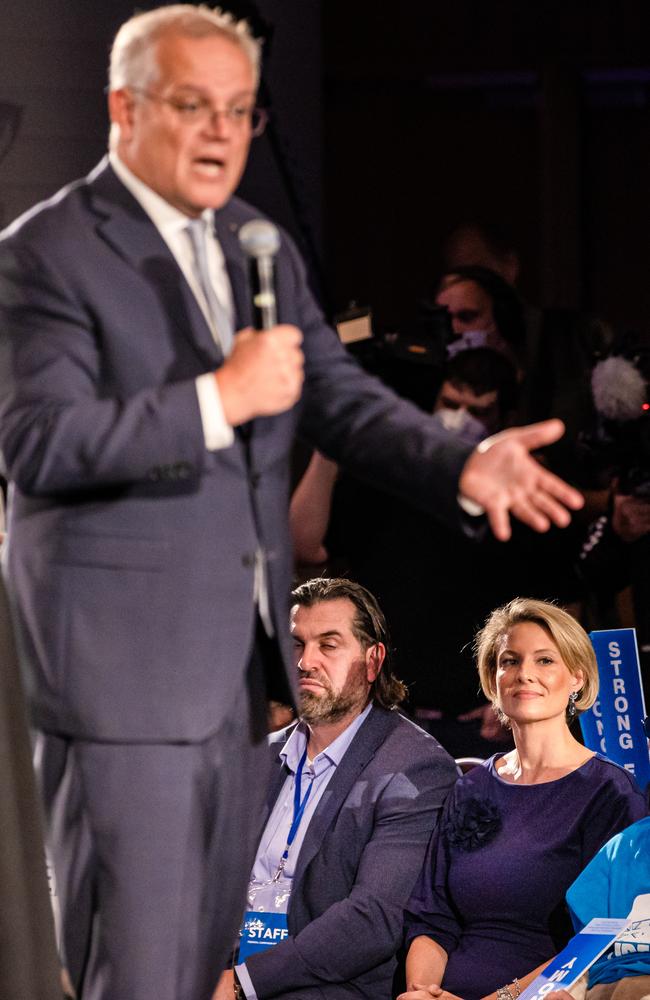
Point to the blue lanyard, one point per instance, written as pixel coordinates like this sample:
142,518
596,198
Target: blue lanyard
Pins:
298,810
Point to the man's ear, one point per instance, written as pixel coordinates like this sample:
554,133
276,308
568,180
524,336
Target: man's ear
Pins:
120,110
375,656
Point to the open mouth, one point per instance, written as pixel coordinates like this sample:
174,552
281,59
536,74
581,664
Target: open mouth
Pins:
209,166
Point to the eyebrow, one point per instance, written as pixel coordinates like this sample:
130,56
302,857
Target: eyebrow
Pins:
535,651
331,634
202,92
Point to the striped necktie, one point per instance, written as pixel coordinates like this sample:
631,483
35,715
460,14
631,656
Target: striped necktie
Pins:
220,319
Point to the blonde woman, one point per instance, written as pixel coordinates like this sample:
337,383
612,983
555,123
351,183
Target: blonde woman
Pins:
489,910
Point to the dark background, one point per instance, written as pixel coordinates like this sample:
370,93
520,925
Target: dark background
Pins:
391,125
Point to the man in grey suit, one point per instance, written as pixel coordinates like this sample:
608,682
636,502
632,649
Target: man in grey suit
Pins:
373,785
148,556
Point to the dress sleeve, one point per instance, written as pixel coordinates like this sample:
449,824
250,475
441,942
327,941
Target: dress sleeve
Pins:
430,911
618,803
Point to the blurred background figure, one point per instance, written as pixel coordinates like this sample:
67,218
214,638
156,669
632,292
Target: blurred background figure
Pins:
28,963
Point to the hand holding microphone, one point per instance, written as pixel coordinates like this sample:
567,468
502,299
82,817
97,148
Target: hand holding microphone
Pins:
263,375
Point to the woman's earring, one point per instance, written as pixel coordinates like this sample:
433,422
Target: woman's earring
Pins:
573,697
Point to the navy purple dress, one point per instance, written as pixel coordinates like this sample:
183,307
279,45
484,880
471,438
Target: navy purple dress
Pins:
491,892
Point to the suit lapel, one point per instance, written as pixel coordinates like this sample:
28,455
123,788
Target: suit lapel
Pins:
363,748
128,229
227,231
279,771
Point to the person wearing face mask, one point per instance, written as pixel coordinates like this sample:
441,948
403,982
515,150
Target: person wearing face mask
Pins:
478,394
553,357
484,311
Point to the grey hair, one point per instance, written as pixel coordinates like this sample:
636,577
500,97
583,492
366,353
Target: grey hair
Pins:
131,62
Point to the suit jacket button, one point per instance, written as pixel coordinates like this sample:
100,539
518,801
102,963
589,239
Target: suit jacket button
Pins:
255,480
248,560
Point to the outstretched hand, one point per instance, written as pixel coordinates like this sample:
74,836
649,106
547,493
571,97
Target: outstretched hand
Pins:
503,478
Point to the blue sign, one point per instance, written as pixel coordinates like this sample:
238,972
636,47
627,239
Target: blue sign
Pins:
614,725
580,953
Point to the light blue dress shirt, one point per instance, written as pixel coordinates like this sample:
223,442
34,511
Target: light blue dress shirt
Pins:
274,839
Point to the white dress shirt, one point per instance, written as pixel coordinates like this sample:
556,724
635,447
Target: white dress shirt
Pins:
172,226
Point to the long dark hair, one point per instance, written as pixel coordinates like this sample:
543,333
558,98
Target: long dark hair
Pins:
368,626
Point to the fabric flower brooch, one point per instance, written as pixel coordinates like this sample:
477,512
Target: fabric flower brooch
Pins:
474,823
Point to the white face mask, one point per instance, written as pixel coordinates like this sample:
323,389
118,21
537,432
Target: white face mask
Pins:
466,341
462,424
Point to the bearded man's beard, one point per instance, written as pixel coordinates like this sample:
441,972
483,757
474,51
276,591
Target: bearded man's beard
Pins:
332,707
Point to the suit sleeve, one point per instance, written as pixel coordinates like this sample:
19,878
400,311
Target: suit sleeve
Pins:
62,425
354,419
360,932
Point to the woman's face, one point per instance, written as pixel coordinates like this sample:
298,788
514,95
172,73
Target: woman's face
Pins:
469,306
533,683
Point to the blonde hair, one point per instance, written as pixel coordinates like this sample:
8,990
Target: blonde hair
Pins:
132,62
568,635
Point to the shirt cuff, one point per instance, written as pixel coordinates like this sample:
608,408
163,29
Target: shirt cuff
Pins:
217,433
470,506
245,982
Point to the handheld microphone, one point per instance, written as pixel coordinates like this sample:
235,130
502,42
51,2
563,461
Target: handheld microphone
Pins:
260,241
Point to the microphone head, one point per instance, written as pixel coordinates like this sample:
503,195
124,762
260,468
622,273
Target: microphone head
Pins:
259,238
619,389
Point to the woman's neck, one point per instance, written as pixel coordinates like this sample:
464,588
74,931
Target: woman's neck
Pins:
544,751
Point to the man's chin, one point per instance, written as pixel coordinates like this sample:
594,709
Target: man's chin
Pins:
327,708
314,707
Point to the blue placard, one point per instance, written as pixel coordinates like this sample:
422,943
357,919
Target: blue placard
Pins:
580,953
593,728
261,931
614,725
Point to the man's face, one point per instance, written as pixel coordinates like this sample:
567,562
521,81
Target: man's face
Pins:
335,673
458,396
469,306
191,165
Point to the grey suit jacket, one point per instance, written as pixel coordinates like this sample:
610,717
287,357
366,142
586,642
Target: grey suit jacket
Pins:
28,960
130,552
358,863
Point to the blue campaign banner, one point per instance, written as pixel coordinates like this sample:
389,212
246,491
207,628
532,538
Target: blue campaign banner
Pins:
614,725
580,953
593,729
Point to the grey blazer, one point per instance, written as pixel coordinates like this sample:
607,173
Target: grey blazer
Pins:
358,863
130,553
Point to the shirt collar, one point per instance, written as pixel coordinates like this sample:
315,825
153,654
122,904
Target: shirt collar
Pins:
296,745
164,216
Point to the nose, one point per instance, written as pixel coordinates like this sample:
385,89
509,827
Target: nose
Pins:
524,673
305,661
218,123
